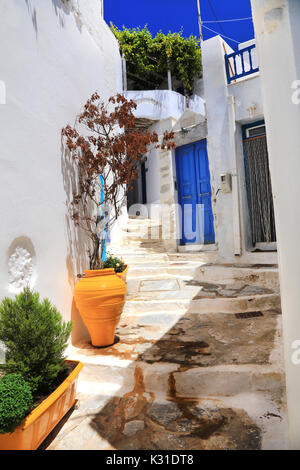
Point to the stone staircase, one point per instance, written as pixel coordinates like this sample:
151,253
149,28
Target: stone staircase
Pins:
198,363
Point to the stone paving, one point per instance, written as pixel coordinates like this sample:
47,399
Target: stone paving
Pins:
197,362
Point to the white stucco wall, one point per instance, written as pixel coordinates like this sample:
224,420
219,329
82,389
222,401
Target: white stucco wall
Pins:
228,107
163,104
248,99
277,32
54,54
218,144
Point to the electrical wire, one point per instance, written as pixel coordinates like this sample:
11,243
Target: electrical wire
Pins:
226,21
222,35
215,15
220,25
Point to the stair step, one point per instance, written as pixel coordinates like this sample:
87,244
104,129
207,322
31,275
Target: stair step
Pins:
130,238
211,305
148,269
193,383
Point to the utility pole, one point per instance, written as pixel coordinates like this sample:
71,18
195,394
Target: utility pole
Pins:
199,21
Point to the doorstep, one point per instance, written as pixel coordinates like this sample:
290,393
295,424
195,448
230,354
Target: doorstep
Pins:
190,248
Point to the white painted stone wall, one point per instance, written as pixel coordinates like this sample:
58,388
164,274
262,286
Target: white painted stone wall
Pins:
157,105
229,107
277,32
54,54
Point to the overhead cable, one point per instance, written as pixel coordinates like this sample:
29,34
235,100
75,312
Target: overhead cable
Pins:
220,34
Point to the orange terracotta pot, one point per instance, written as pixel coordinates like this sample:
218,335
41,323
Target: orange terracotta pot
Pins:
123,274
40,422
100,298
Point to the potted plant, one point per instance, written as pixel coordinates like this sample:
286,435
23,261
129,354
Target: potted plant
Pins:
105,145
38,386
119,266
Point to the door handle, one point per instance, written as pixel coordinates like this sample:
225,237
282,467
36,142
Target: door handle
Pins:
187,197
204,194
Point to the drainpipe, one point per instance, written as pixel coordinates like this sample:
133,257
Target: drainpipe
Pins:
237,239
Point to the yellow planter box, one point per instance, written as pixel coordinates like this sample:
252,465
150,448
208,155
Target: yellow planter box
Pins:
40,422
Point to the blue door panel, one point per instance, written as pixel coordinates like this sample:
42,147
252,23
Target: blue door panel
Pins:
205,191
186,170
194,188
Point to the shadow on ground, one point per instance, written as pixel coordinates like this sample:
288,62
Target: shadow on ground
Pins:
144,416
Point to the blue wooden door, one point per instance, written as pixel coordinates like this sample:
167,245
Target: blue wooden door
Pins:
194,193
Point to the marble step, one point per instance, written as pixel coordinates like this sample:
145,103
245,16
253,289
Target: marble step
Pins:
139,228
143,243
118,379
176,268
187,287
134,238
139,255
265,277
205,305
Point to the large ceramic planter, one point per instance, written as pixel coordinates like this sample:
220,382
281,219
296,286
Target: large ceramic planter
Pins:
123,274
100,298
40,422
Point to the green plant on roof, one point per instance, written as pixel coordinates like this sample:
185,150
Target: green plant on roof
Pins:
149,58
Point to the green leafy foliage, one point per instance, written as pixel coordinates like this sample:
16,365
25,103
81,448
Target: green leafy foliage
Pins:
113,262
15,402
150,58
35,338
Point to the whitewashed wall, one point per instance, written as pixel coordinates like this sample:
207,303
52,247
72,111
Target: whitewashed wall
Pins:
229,107
54,54
277,32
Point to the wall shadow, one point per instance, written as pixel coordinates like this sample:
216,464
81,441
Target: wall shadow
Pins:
33,15
77,258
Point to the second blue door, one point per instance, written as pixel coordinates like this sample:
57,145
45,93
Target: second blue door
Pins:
194,193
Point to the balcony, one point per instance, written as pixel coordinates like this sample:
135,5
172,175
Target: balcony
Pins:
156,105
241,63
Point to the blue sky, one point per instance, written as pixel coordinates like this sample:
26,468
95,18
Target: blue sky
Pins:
171,15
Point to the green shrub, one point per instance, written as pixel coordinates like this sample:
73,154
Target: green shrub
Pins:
149,58
15,402
35,337
113,262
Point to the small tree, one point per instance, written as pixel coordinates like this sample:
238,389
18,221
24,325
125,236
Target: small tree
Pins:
35,338
106,146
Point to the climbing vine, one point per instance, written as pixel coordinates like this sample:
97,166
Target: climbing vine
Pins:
149,58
